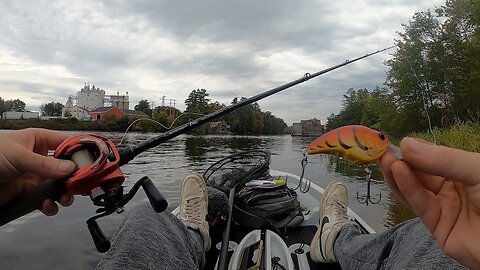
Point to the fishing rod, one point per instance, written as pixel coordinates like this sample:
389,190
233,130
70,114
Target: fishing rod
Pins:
129,152
98,161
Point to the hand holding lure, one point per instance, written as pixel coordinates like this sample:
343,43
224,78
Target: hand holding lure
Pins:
358,144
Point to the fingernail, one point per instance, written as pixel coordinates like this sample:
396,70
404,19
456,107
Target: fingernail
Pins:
416,145
66,166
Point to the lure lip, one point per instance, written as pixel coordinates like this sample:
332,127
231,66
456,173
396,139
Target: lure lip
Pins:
395,151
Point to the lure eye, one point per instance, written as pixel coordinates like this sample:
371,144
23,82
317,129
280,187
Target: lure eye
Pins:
382,136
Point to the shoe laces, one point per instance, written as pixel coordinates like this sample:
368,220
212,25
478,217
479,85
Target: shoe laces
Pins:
340,211
192,210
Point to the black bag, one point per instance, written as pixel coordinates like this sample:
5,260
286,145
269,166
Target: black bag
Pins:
267,205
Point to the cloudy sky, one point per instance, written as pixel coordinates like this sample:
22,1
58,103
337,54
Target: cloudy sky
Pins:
49,49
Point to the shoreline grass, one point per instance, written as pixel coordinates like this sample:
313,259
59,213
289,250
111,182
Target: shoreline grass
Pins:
461,136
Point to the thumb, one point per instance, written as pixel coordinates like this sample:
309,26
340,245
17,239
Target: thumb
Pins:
443,161
43,166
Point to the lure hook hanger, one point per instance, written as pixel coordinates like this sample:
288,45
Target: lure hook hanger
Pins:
368,196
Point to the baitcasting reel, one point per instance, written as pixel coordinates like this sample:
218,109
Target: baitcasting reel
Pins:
99,176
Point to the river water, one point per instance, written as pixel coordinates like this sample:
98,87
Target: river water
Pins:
63,241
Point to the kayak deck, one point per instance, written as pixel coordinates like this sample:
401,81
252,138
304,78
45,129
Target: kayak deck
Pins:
296,241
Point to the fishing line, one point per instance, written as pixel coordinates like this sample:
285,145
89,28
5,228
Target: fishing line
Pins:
156,122
423,97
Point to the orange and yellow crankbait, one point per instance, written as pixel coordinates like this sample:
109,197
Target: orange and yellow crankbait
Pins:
358,144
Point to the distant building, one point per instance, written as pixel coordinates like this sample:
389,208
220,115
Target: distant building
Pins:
90,98
20,115
74,111
119,101
312,127
297,129
104,113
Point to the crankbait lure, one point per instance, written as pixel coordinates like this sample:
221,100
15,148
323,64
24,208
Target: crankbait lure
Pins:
358,144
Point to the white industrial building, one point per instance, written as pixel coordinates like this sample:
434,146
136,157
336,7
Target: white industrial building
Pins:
90,98
20,115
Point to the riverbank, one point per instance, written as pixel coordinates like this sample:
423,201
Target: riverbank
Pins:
107,126
461,136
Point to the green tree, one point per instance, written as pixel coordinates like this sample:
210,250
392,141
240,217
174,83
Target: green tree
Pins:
197,101
352,108
68,114
3,107
163,118
144,106
52,109
416,74
15,105
170,111
272,125
380,112
435,73
197,105
461,40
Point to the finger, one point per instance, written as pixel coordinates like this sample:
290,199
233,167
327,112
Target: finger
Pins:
421,200
442,161
430,182
66,200
43,166
49,207
45,139
385,164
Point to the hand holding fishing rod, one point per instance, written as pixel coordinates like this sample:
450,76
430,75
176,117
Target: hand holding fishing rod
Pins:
24,165
98,175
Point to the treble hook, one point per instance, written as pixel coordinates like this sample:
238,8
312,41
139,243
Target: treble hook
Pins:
304,187
368,197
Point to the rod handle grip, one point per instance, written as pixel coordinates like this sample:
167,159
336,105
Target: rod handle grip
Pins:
31,200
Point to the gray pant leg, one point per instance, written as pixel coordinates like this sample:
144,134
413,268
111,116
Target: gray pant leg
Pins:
408,245
149,240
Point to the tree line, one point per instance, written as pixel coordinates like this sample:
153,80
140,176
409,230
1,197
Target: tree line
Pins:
249,120
17,105
433,78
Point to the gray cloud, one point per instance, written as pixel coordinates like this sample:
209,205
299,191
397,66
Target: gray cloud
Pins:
231,48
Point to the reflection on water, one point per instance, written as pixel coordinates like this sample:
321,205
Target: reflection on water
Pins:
396,212
63,241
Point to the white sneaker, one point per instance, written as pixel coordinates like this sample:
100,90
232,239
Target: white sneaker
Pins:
194,206
333,215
